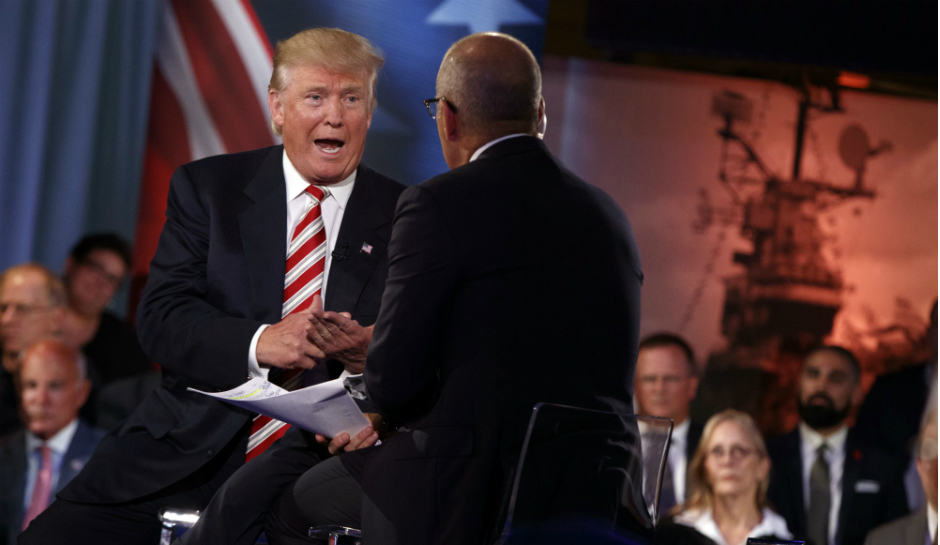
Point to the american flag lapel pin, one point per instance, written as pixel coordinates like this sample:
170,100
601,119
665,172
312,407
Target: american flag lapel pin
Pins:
366,248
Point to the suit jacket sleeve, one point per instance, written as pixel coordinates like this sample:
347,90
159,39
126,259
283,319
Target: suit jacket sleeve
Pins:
401,371
178,327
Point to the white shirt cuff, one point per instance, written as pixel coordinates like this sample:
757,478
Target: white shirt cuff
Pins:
254,368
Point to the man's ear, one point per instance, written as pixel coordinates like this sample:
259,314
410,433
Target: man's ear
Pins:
451,130
276,107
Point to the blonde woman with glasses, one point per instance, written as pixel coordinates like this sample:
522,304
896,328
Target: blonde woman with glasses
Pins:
728,478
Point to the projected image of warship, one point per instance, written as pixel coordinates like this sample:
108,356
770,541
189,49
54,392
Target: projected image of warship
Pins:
784,299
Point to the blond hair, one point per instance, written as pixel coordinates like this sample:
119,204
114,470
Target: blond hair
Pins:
700,495
332,49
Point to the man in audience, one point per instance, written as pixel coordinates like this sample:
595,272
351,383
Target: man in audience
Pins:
94,270
665,384
830,488
920,527
889,415
250,242
37,462
485,313
32,301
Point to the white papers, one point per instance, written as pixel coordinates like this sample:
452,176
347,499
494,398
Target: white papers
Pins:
326,408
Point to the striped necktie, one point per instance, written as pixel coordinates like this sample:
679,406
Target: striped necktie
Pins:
306,259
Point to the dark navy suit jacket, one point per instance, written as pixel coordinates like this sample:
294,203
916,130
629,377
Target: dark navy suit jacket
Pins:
13,468
872,488
218,275
504,275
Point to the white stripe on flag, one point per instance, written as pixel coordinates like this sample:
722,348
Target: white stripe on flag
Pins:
173,61
250,47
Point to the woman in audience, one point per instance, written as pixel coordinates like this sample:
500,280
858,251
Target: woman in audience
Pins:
727,499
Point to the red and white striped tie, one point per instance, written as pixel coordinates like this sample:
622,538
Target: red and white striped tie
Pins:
306,259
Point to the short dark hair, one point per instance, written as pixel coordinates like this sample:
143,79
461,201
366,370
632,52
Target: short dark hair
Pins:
102,241
844,353
659,340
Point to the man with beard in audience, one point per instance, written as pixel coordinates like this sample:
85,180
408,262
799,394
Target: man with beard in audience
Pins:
830,488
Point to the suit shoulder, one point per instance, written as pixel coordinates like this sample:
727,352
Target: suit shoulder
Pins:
891,532
89,433
228,167
782,444
899,380
383,185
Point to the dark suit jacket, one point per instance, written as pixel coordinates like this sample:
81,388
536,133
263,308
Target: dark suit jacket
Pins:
891,413
909,530
13,468
218,274
503,274
862,509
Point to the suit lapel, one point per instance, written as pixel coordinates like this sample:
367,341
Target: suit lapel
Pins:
793,462
262,224
13,476
850,472
72,461
353,263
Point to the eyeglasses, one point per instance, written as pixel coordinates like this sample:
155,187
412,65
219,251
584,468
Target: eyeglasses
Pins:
736,453
431,105
22,309
102,272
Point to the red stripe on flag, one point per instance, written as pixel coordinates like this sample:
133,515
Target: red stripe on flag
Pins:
167,148
226,88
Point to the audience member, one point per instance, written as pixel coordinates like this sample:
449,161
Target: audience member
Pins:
482,316
889,415
37,462
830,488
32,301
728,479
920,527
665,385
94,271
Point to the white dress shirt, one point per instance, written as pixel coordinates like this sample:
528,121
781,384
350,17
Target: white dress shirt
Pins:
932,522
810,441
491,143
331,209
678,461
59,445
771,524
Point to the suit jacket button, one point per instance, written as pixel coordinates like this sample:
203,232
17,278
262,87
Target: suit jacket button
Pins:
209,453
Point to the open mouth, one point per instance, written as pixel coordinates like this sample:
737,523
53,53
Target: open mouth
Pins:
329,146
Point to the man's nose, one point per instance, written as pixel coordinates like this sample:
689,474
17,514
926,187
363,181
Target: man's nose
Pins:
333,112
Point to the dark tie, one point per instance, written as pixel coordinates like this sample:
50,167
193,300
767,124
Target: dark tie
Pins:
667,492
820,497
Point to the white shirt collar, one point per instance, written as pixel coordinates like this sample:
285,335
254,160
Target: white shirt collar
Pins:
812,439
297,184
680,433
491,143
58,444
932,522
771,524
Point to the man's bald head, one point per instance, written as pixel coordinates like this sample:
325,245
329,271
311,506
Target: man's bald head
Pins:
494,83
53,387
32,302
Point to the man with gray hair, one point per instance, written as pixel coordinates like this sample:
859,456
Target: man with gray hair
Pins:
41,459
511,282
255,246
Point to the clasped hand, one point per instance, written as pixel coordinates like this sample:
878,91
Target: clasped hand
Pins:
307,338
